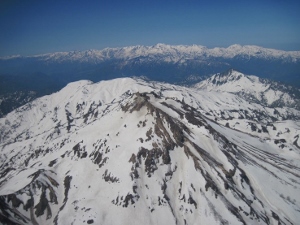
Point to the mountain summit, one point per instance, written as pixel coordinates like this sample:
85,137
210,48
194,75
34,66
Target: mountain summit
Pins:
127,151
253,89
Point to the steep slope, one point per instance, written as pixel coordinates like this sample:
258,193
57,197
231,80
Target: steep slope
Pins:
127,151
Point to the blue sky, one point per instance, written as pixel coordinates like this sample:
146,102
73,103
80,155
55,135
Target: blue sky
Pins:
34,27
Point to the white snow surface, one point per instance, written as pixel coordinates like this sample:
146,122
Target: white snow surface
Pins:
127,151
250,85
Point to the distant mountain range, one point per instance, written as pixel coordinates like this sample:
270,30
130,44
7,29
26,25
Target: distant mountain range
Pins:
159,62
168,53
27,77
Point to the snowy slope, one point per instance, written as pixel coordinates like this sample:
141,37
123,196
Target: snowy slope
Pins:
127,151
252,88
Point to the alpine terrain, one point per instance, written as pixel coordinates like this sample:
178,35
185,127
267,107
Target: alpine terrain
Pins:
24,78
130,151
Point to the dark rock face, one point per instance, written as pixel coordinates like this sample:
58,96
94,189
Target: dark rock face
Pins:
40,194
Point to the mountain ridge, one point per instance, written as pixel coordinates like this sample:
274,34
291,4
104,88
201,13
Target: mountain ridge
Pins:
175,50
177,62
29,77
150,153
253,89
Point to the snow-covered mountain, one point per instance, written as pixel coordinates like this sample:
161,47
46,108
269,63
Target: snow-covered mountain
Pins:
129,151
168,53
253,89
177,62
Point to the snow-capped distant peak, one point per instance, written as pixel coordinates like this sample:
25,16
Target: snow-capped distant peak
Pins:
230,81
251,88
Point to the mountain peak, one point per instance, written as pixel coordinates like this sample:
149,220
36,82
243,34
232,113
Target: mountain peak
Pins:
231,72
235,47
160,45
170,154
252,88
220,79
